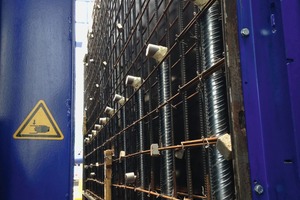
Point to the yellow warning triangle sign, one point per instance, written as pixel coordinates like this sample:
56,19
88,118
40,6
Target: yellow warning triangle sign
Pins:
39,125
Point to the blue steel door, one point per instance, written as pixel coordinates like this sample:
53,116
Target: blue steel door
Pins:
270,60
36,66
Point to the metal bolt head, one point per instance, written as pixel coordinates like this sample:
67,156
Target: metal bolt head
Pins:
245,32
258,189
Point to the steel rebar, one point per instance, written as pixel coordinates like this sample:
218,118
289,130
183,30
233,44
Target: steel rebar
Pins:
141,142
165,132
185,105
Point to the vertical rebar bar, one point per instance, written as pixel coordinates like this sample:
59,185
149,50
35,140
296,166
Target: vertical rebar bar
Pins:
141,142
185,104
165,132
150,102
124,144
201,104
221,176
123,89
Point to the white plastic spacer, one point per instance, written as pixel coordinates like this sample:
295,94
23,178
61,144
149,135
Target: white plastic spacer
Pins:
103,120
154,150
92,174
156,51
98,127
110,111
134,81
120,99
120,27
94,132
130,177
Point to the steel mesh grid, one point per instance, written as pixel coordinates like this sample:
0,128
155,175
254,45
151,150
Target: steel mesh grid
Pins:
117,53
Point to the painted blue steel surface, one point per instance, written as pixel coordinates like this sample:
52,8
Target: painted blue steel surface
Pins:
291,21
36,64
271,94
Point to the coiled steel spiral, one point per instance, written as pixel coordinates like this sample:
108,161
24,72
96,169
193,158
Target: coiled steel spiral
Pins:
221,175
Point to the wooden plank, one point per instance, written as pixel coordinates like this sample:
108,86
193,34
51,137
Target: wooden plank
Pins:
235,99
107,173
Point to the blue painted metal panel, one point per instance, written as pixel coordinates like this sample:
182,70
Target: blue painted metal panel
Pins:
270,97
36,64
291,25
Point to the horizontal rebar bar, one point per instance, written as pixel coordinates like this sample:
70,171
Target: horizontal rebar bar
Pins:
145,191
183,145
200,77
88,194
157,195
180,35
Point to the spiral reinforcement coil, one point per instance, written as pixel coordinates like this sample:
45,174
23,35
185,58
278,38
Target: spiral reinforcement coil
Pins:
165,132
221,175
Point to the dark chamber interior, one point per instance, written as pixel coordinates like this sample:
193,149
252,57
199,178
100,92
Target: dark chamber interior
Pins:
182,100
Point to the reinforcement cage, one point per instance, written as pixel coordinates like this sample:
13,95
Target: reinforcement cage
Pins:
152,121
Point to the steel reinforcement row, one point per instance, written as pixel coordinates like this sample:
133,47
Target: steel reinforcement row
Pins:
177,101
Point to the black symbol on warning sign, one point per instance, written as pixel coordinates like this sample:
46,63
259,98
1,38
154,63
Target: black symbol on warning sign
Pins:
39,128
